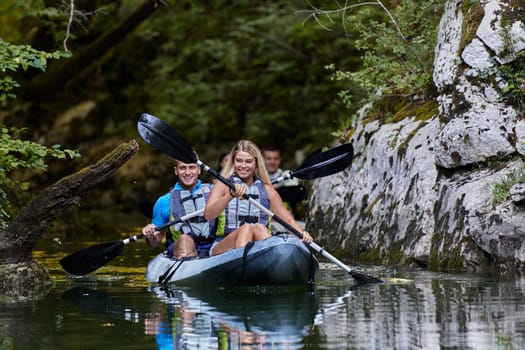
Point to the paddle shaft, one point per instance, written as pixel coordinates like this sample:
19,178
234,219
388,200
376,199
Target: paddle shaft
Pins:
286,225
132,239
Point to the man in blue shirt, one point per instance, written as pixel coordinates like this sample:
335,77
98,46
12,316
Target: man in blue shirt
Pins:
190,238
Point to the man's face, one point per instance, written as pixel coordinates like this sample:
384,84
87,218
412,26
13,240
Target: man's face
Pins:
188,173
272,159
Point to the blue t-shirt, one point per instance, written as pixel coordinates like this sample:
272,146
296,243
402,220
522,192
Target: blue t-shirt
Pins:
161,209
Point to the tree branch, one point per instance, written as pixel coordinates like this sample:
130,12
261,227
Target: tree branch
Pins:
21,235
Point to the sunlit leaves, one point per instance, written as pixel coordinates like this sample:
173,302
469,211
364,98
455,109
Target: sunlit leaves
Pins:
16,57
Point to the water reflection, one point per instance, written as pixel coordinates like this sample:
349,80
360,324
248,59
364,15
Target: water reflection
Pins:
93,302
116,308
257,318
432,311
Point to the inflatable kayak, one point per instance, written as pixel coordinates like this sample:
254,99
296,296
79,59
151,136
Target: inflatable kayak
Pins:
279,260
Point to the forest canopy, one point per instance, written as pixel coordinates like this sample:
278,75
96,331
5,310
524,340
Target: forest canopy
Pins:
286,73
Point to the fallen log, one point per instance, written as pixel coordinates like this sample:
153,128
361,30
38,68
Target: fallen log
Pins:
20,275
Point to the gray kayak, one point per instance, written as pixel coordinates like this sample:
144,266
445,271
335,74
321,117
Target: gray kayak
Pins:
280,260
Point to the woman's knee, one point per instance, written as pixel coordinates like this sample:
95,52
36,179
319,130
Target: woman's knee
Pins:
260,232
226,243
245,229
260,227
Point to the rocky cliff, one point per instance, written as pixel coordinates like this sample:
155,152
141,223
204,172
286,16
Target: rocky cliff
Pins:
440,190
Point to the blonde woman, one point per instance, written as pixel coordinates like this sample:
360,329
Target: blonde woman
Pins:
243,221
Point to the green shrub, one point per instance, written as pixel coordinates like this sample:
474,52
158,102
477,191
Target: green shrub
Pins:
514,91
397,46
398,52
501,190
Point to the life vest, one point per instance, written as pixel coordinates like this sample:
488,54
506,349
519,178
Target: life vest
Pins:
278,173
183,202
239,212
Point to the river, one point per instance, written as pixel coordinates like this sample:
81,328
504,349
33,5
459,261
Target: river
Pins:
115,308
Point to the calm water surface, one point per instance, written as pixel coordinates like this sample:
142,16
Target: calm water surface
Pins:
117,309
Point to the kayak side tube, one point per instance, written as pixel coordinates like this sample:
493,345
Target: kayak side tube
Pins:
278,260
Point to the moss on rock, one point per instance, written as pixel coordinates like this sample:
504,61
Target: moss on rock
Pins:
24,280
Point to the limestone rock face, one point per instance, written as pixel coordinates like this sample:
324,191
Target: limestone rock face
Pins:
489,31
422,192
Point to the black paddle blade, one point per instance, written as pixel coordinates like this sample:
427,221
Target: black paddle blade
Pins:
161,136
359,277
89,259
326,163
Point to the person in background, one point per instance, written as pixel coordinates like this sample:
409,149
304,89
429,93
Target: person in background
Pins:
272,160
290,190
244,222
223,158
193,237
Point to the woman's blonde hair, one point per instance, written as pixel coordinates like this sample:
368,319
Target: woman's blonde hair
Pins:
252,149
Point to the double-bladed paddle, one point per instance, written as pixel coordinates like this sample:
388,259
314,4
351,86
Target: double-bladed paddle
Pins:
89,259
161,136
322,164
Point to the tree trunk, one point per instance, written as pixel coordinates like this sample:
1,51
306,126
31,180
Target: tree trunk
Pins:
20,275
